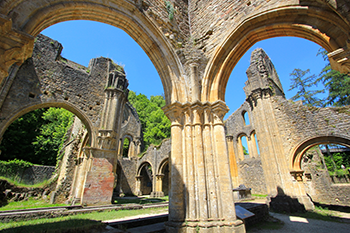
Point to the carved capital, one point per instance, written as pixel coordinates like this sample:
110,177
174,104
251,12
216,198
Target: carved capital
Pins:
219,109
15,47
298,175
106,139
229,138
197,111
175,113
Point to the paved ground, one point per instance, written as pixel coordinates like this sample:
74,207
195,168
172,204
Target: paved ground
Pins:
294,224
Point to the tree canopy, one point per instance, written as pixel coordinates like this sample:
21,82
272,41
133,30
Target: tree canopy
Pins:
155,125
37,136
336,83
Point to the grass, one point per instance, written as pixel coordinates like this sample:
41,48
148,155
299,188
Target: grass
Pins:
21,185
320,214
259,195
29,204
75,223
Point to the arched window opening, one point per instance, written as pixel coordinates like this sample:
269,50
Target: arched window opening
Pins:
246,118
146,179
126,147
40,137
327,159
166,180
244,144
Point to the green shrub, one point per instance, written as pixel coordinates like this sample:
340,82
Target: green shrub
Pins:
13,169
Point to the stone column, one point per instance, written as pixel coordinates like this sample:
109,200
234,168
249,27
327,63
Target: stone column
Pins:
233,162
201,196
254,152
100,178
240,149
138,186
158,190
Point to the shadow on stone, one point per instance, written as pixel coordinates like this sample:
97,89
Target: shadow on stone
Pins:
283,203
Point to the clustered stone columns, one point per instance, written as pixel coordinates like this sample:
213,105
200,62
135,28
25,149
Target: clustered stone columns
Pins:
100,178
201,196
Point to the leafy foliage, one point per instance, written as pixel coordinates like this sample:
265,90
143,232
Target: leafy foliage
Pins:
36,136
303,85
12,169
155,125
170,9
52,136
18,138
126,147
337,84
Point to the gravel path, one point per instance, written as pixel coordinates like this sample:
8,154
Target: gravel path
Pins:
302,225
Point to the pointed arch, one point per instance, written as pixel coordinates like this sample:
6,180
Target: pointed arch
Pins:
324,27
33,16
298,151
59,104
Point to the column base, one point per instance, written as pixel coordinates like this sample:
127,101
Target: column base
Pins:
236,226
157,194
138,193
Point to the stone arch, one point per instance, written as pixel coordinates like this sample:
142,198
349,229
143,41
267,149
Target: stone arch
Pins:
59,104
145,182
31,17
122,140
241,155
246,117
144,163
320,25
162,165
163,181
298,151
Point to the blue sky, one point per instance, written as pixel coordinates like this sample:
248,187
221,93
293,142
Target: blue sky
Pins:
84,40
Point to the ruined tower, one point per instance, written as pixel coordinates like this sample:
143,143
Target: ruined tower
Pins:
262,89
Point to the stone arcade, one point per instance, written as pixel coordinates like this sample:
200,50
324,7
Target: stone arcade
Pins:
194,53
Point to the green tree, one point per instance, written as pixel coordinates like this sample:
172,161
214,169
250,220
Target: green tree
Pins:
155,125
37,136
337,84
50,141
303,85
17,139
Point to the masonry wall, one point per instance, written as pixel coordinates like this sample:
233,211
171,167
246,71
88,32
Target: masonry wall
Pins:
250,171
209,31
298,122
49,80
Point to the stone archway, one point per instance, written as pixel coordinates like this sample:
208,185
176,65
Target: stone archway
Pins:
144,178
302,147
322,26
31,107
29,18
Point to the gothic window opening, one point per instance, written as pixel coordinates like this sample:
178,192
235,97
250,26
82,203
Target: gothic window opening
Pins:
246,118
126,147
245,149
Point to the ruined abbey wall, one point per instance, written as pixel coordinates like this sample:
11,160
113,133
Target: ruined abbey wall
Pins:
49,80
284,130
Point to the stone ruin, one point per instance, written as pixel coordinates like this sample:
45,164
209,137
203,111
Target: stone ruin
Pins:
194,45
149,174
